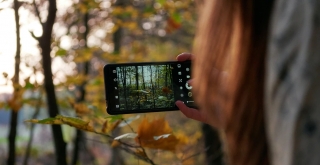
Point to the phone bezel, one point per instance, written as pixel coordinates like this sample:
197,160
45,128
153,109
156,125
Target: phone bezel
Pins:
109,85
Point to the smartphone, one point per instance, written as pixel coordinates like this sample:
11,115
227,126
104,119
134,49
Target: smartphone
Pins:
147,87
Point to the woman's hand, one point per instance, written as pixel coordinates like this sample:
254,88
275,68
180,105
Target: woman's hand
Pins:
200,115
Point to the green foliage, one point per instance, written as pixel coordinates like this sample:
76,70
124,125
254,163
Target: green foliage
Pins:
61,52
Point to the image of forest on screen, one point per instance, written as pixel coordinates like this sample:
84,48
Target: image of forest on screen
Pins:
145,87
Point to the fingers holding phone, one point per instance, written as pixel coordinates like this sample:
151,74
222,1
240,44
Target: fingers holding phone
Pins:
184,57
196,114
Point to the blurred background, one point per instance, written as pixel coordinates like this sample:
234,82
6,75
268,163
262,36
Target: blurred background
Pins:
66,43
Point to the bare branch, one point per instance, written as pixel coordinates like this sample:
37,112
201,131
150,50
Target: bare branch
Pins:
129,149
129,126
144,158
145,153
34,36
37,12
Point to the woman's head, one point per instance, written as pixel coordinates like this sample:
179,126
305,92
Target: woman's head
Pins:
231,38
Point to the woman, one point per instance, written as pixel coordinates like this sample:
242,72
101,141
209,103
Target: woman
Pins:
247,81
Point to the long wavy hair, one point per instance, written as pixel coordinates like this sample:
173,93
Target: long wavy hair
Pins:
230,52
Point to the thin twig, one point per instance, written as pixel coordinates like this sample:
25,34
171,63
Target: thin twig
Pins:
34,36
129,125
142,157
126,147
193,155
145,153
37,110
112,138
37,12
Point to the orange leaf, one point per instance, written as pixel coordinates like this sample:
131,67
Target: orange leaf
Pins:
141,153
149,133
115,143
104,128
114,125
81,109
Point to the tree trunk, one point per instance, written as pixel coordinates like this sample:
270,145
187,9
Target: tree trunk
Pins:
158,71
214,155
117,158
143,83
14,112
36,112
137,86
152,86
80,136
125,86
45,44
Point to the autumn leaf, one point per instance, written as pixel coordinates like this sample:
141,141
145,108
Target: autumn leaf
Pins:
140,152
45,121
71,121
75,122
126,136
172,25
115,125
114,118
15,103
81,109
5,74
158,135
104,128
115,143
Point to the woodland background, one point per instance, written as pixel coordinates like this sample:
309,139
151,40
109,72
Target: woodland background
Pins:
61,81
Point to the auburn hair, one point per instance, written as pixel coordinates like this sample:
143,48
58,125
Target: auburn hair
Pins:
229,65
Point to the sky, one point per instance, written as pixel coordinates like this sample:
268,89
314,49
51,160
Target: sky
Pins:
8,46
29,50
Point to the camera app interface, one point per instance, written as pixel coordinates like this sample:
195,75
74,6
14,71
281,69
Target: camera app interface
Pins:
145,87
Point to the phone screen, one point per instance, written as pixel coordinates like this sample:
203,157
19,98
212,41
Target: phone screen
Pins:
147,87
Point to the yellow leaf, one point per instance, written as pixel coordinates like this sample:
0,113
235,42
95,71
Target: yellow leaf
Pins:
72,121
131,25
5,74
105,127
83,8
45,121
115,125
76,122
81,109
141,153
155,135
117,10
83,55
114,28
115,143
15,103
